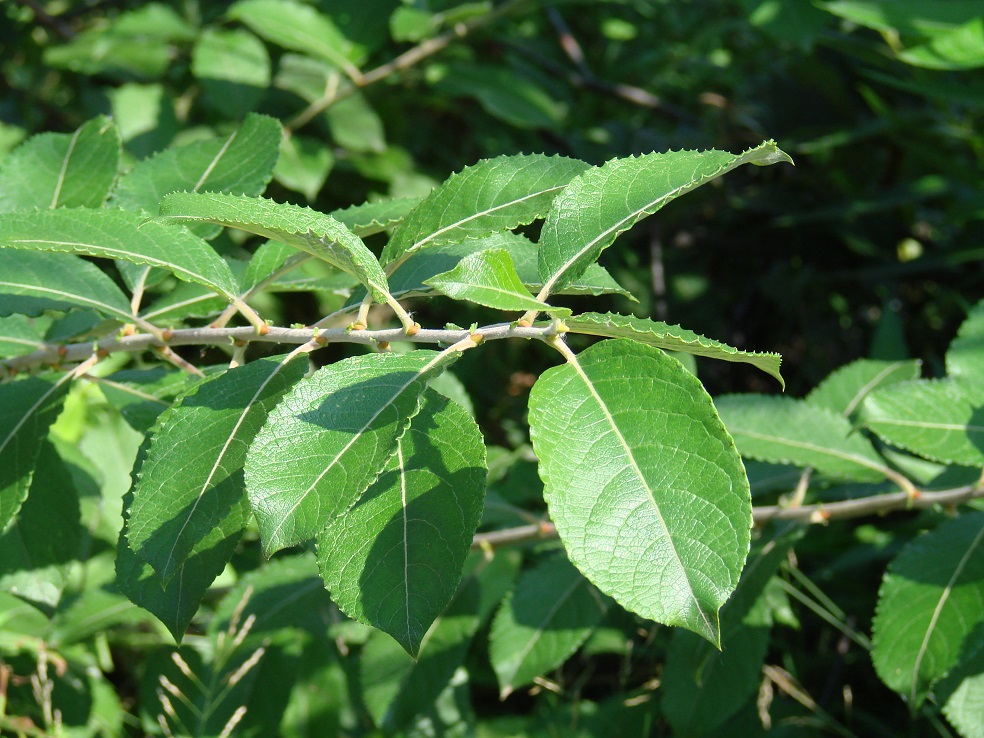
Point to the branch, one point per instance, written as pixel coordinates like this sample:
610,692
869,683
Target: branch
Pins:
819,513
72,353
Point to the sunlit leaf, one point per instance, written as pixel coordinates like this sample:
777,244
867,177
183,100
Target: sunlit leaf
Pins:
632,453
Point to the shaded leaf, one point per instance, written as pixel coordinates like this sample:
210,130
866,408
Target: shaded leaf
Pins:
53,170
233,67
965,357
670,338
32,282
493,195
962,695
489,278
930,609
304,165
374,217
36,552
330,438
547,617
28,407
419,516
18,334
605,201
355,125
179,499
782,430
631,454
395,687
303,228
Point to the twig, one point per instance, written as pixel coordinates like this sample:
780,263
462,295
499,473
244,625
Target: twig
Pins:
56,355
404,61
48,21
819,513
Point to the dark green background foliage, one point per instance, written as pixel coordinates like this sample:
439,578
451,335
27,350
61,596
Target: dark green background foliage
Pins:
871,247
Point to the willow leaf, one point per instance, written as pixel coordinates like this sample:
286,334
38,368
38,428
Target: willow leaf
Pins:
670,338
119,234
420,515
844,390
605,201
28,407
493,195
395,686
240,163
370,218
930,608
965,356
940,420
330,438
782,430
54,170
489,278
631,454
549,614
18,334
179,498
305,229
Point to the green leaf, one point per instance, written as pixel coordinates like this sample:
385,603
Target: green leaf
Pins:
374,217
396,687
119,234
605,201
355,125
184,301
330,438
493,195
298,27
505,93
28,407
940,420
845,389
965,357
930,608
234,69
962,695
53,170
670,338
489,278
305,229
782,430
702,686
547,617
141,395
37,551
419,516
18,334
240,164
176,604
31,283
961,48
179,499
304,165
631,453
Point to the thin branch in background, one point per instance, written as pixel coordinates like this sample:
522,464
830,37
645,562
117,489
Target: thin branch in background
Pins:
52,23
568,42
